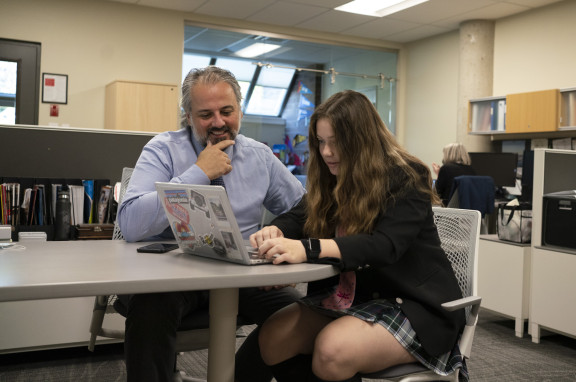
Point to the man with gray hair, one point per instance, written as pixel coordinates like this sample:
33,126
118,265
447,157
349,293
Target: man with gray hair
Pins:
208,150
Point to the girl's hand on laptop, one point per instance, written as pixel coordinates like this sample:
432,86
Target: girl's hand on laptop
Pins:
283,250
269,232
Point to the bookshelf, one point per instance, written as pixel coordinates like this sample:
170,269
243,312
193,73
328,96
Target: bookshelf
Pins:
542,114
487,115
60,152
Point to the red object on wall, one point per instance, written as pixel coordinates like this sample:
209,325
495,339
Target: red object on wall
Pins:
54,110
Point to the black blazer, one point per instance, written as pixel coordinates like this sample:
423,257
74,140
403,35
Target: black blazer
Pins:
400,260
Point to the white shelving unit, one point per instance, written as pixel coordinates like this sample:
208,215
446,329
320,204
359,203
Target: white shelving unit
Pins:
553,281
48,324
504,279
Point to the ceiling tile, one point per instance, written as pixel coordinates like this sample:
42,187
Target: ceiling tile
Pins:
491,12
380,28
432,11
284,13
178,5
331,4
533,3
232,9
334,21
318,15
416,34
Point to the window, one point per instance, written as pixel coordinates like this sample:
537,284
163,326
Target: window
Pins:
273,79
191,61
19,81
264,91
243,71
270,91
8,79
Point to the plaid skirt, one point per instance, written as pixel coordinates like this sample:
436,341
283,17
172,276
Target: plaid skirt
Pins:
389,315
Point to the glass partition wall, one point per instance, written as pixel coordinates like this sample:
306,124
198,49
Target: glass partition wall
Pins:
283,80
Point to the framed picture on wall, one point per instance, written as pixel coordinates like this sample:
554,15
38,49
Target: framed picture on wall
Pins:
54,88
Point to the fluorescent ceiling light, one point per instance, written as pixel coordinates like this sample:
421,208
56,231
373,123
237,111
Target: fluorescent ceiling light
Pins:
256,49
378,8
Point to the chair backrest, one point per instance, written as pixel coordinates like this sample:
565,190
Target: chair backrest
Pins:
473,192
459,232
126,175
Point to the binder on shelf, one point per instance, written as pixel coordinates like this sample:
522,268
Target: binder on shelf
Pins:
571,118
88,200
103,203
77,203
501,119
493,116
28,204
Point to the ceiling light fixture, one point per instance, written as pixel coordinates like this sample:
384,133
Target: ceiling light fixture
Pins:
257,49
378,8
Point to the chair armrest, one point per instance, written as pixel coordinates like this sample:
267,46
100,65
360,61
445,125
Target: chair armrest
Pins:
462,303
468,333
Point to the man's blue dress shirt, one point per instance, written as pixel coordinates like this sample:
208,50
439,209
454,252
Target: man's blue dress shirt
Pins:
258,179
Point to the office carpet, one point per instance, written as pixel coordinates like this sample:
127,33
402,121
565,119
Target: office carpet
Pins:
497,355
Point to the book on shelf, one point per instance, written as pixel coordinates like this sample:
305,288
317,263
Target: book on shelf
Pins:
501,118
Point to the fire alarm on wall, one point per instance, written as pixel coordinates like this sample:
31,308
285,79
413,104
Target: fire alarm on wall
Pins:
54,110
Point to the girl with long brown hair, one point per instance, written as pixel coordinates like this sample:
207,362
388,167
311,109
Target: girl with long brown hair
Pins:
369,211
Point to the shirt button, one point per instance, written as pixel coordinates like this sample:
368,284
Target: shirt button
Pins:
399,300
375,295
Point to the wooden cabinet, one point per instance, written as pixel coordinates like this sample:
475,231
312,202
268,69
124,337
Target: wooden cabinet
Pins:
141,106
532,112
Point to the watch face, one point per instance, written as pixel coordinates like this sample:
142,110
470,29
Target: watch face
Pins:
315,245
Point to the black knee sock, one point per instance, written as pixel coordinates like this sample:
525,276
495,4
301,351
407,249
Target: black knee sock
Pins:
295,369
355,378
299,369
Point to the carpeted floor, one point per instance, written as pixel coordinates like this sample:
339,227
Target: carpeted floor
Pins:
497,355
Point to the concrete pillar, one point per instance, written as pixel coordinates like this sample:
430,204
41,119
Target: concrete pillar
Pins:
475,77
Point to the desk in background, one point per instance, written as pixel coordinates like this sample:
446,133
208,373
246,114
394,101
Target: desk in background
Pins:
55,270
504,278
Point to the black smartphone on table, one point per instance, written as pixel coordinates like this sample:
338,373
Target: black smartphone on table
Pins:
157,248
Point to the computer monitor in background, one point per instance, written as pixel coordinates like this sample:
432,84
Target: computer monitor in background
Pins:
527,175
500,166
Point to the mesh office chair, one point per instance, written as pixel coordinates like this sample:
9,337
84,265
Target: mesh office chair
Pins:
459,232
193,333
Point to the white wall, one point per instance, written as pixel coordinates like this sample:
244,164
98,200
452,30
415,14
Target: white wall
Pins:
534,50
431,96
95,43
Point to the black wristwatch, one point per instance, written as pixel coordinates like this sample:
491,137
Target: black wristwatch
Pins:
313,249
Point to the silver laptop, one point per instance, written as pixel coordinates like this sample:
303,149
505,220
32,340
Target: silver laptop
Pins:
203,223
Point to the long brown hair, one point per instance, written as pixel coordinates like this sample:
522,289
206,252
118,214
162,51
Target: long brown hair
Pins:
373,170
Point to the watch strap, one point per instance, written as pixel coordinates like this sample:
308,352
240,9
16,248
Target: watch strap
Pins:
313,249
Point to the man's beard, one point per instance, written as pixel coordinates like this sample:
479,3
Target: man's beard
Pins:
203,139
